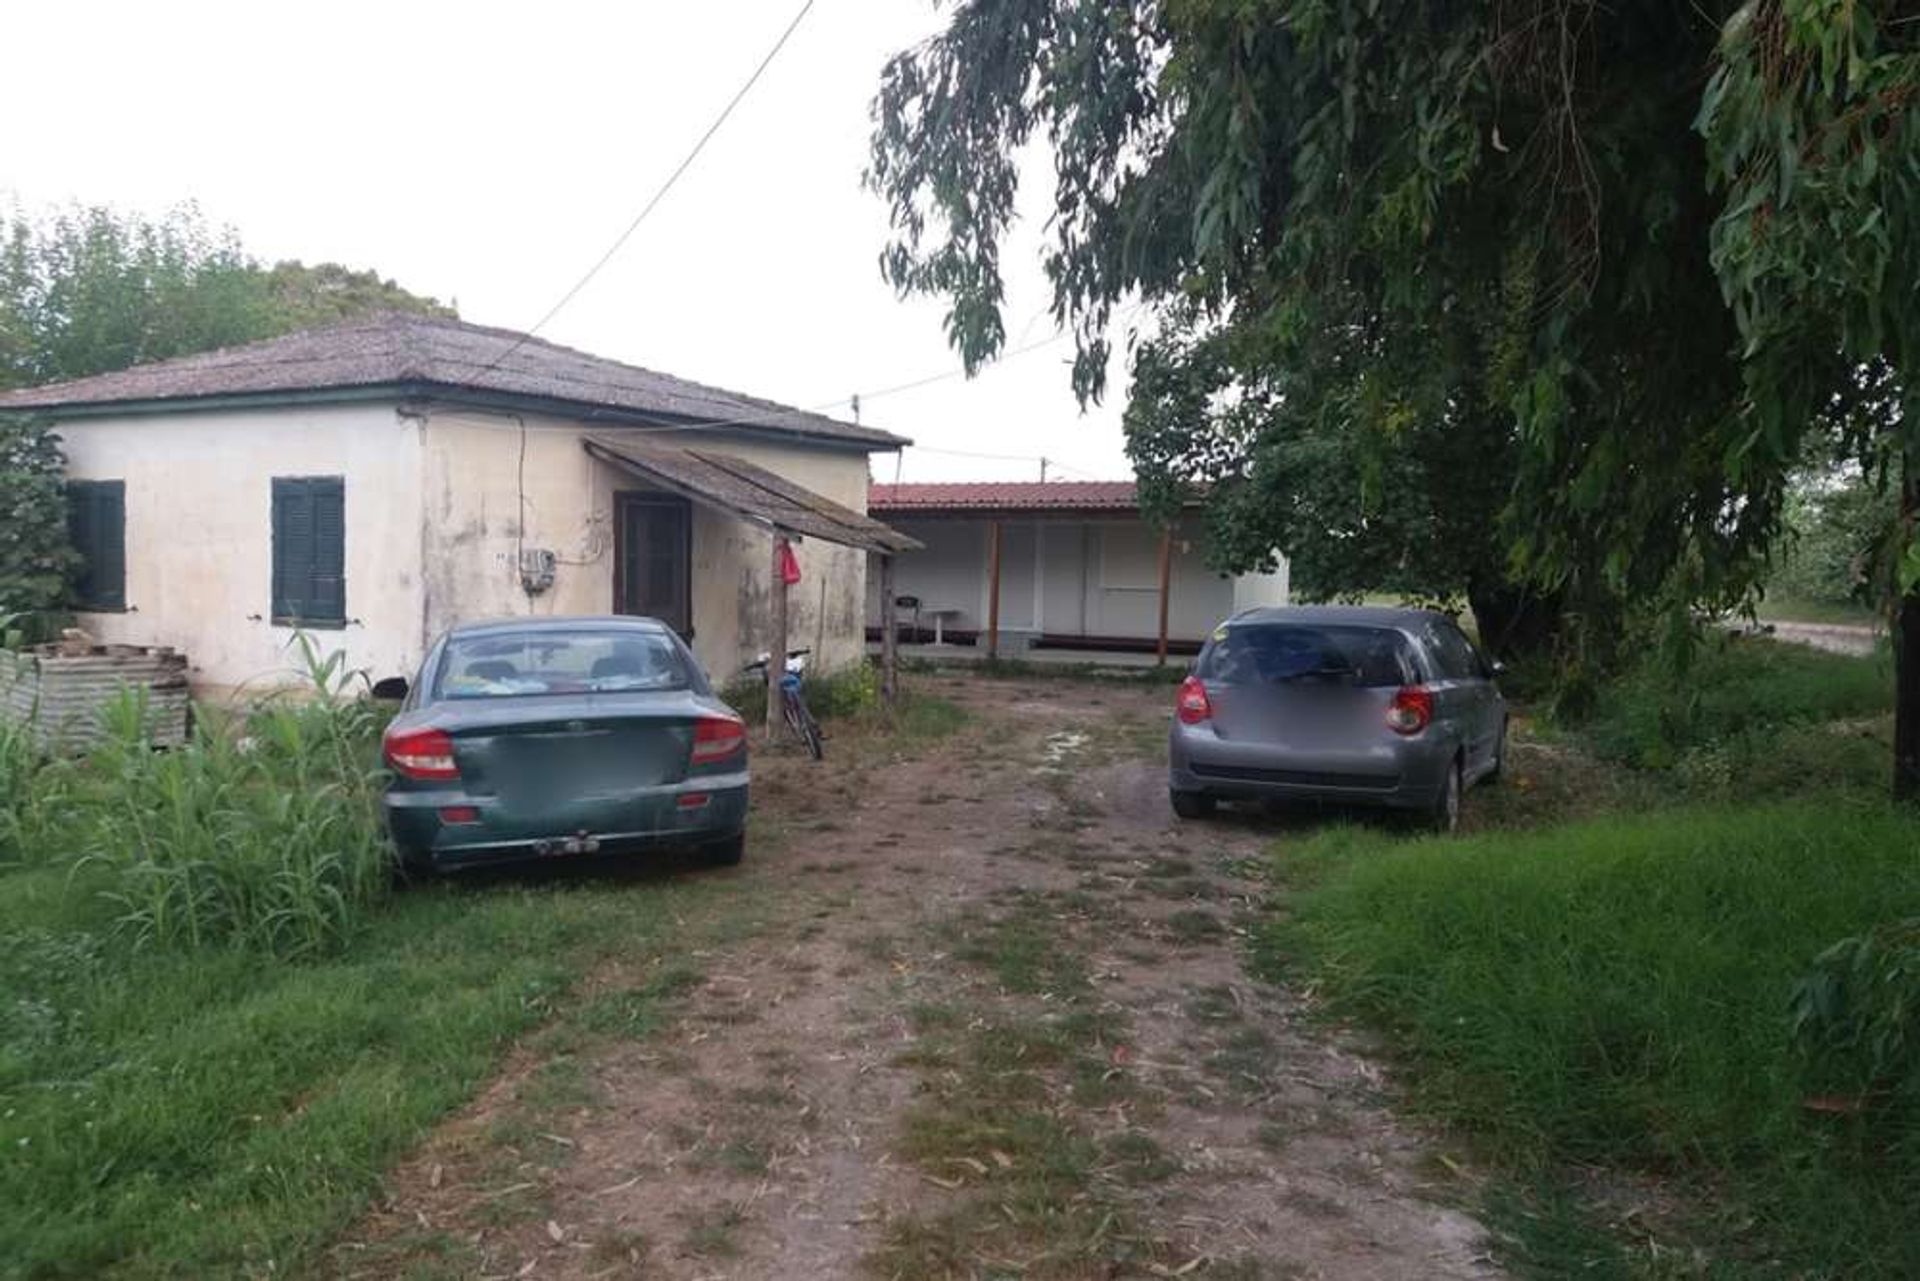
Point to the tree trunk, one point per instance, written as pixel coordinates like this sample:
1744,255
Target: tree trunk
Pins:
1515,621
1906,652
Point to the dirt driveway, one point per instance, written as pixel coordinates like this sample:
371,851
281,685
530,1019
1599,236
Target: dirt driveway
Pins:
993,1021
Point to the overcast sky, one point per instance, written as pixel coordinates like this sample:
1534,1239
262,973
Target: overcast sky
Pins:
489,153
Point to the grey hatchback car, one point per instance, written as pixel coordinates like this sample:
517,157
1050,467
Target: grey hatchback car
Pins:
1351,704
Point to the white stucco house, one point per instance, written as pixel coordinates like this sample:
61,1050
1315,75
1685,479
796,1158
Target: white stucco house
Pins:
1067,564
378,481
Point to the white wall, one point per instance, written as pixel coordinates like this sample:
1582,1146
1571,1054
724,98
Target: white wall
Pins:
199,533
434,517
1094,577
478,467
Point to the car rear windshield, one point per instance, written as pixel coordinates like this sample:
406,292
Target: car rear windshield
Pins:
512,664
1276,653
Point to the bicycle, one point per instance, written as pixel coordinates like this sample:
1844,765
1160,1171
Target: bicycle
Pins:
793,704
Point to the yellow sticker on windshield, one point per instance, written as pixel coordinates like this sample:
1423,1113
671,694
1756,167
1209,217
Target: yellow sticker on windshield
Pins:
1220,632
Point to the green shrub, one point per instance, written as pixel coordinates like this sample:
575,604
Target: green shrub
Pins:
847,692
36,559
1653,715
1856,1016
1618,991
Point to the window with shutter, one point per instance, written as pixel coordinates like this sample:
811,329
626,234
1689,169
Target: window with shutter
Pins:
97,527
309,551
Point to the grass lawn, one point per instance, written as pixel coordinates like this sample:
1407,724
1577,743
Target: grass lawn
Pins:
218,1029
1616,992
1606,1002
1782,608
1744,697
192,1113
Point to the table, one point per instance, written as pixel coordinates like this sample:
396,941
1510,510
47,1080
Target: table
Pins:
939,617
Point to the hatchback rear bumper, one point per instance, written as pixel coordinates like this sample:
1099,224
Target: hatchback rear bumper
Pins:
1399,775
695,812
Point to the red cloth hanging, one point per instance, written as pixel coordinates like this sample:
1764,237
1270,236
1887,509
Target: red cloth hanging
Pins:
789,564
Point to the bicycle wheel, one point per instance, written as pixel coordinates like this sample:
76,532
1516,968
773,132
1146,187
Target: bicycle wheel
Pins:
804,727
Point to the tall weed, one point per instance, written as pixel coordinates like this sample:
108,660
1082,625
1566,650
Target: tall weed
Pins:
1736,691
267,839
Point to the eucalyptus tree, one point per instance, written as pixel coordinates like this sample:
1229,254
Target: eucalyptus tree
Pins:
89,289
1471,297
1812,122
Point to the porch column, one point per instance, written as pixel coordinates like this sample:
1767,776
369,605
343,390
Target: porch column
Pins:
1166,575
993,590
889,635
1039,578
777,659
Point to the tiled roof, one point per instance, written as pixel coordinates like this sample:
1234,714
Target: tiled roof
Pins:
427,353
1065,495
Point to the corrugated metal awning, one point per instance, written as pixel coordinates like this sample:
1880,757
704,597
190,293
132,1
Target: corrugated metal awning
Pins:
751,493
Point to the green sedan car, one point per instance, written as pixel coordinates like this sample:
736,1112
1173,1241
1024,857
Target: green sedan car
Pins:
562,737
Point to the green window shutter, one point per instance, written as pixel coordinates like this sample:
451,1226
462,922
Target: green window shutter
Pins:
309,550
327,591
97,527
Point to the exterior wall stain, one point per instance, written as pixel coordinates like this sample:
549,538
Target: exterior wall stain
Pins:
435,511
474,461
199,534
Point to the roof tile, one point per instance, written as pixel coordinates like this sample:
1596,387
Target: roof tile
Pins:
398,348
1089,495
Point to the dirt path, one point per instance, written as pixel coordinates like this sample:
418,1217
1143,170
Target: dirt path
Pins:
1853,639
998,1027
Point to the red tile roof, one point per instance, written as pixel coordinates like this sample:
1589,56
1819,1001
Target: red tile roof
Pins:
1059,495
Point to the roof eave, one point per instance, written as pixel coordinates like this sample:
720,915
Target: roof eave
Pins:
1009,512
878,442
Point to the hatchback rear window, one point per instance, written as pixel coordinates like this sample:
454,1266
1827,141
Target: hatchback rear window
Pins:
518,663
1274,653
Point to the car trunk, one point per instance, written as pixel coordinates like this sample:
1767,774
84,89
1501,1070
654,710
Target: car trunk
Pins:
574,763
1308,714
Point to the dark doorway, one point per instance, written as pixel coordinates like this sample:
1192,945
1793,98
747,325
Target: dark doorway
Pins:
653,559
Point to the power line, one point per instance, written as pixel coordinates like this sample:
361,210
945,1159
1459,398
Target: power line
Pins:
659,195
862,397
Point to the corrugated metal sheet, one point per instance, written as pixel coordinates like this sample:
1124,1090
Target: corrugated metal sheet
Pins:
753,493
61,695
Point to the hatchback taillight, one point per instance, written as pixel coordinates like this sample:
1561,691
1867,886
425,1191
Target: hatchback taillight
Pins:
1411,710
1192,705
425,754
717,738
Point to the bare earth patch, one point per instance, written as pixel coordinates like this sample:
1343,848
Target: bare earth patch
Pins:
993,1023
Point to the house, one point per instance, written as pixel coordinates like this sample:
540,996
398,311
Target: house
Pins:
378,481
1058,563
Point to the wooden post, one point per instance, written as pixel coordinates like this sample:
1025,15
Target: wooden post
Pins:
1166,577
889,635
777,657
993,591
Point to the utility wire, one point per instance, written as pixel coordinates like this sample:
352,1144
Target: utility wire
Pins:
659,195
774,415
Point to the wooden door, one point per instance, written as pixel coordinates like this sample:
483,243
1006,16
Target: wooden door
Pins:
653,559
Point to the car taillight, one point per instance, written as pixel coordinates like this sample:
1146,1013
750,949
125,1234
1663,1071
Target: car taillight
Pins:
715,738
1192,705
421,754
1411,710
